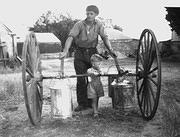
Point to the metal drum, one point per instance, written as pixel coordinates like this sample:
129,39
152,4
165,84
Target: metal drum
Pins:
61,99
122,94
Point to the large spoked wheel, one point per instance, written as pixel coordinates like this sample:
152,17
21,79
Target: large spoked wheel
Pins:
31,78
148,70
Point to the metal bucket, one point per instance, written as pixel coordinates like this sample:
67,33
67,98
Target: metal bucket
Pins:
128,92
122,95
61,99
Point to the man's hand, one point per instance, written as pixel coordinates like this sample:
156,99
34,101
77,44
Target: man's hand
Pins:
62,54
113,55
108,46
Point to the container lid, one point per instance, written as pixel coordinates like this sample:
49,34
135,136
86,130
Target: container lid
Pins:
59,84
124,84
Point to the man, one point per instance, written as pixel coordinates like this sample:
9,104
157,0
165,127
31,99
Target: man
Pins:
85,33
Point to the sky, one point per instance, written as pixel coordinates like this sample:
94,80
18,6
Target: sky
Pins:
132,15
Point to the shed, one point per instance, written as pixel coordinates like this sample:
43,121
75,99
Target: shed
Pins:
48,43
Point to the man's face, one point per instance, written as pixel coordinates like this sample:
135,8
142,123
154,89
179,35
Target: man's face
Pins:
91,15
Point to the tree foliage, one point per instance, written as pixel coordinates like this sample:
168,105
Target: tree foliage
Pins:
174,18
59,25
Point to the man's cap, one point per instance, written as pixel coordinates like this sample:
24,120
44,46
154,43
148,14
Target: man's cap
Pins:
93,8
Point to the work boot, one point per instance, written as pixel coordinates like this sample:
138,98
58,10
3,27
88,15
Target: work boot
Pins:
80,108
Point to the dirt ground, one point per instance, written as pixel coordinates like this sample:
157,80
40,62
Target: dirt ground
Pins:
111,123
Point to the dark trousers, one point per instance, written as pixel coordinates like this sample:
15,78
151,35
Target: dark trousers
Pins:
82,64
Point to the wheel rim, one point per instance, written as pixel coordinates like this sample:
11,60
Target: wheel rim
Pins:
31,67
148,70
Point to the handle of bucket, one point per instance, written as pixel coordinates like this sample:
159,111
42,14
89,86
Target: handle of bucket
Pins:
117,65
62,68
116,62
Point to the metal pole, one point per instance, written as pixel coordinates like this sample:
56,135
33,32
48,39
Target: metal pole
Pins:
86,75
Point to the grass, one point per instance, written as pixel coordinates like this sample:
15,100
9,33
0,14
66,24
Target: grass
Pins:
170,110
11,92
170,100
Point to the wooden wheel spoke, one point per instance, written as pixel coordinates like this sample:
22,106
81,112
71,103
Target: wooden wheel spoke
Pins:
141,59
151,79
151,95
39,91
150,62
29,72
29,62
145,44
150,104
151,57
149,99
139,78
154,69
142,52
143,56
28,83
38,68
148,54
151,90
39,103
140,68
142,100
149,47
141,87
143,92
145,105
148,41
38,88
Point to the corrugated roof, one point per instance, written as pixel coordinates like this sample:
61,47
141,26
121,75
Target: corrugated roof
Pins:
46,37
116,34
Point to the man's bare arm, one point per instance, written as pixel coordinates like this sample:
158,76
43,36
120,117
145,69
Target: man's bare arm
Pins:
68,44
108,46
66,48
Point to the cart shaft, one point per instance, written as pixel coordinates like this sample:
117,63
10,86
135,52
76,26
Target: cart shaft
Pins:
86,75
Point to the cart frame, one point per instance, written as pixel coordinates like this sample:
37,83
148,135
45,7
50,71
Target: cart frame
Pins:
148,76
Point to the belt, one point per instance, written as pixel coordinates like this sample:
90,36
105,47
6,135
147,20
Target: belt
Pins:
86,49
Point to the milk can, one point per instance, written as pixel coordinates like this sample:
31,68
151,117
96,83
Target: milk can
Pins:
61,99
122,94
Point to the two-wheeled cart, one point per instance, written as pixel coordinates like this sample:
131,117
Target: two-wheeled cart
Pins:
148,76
